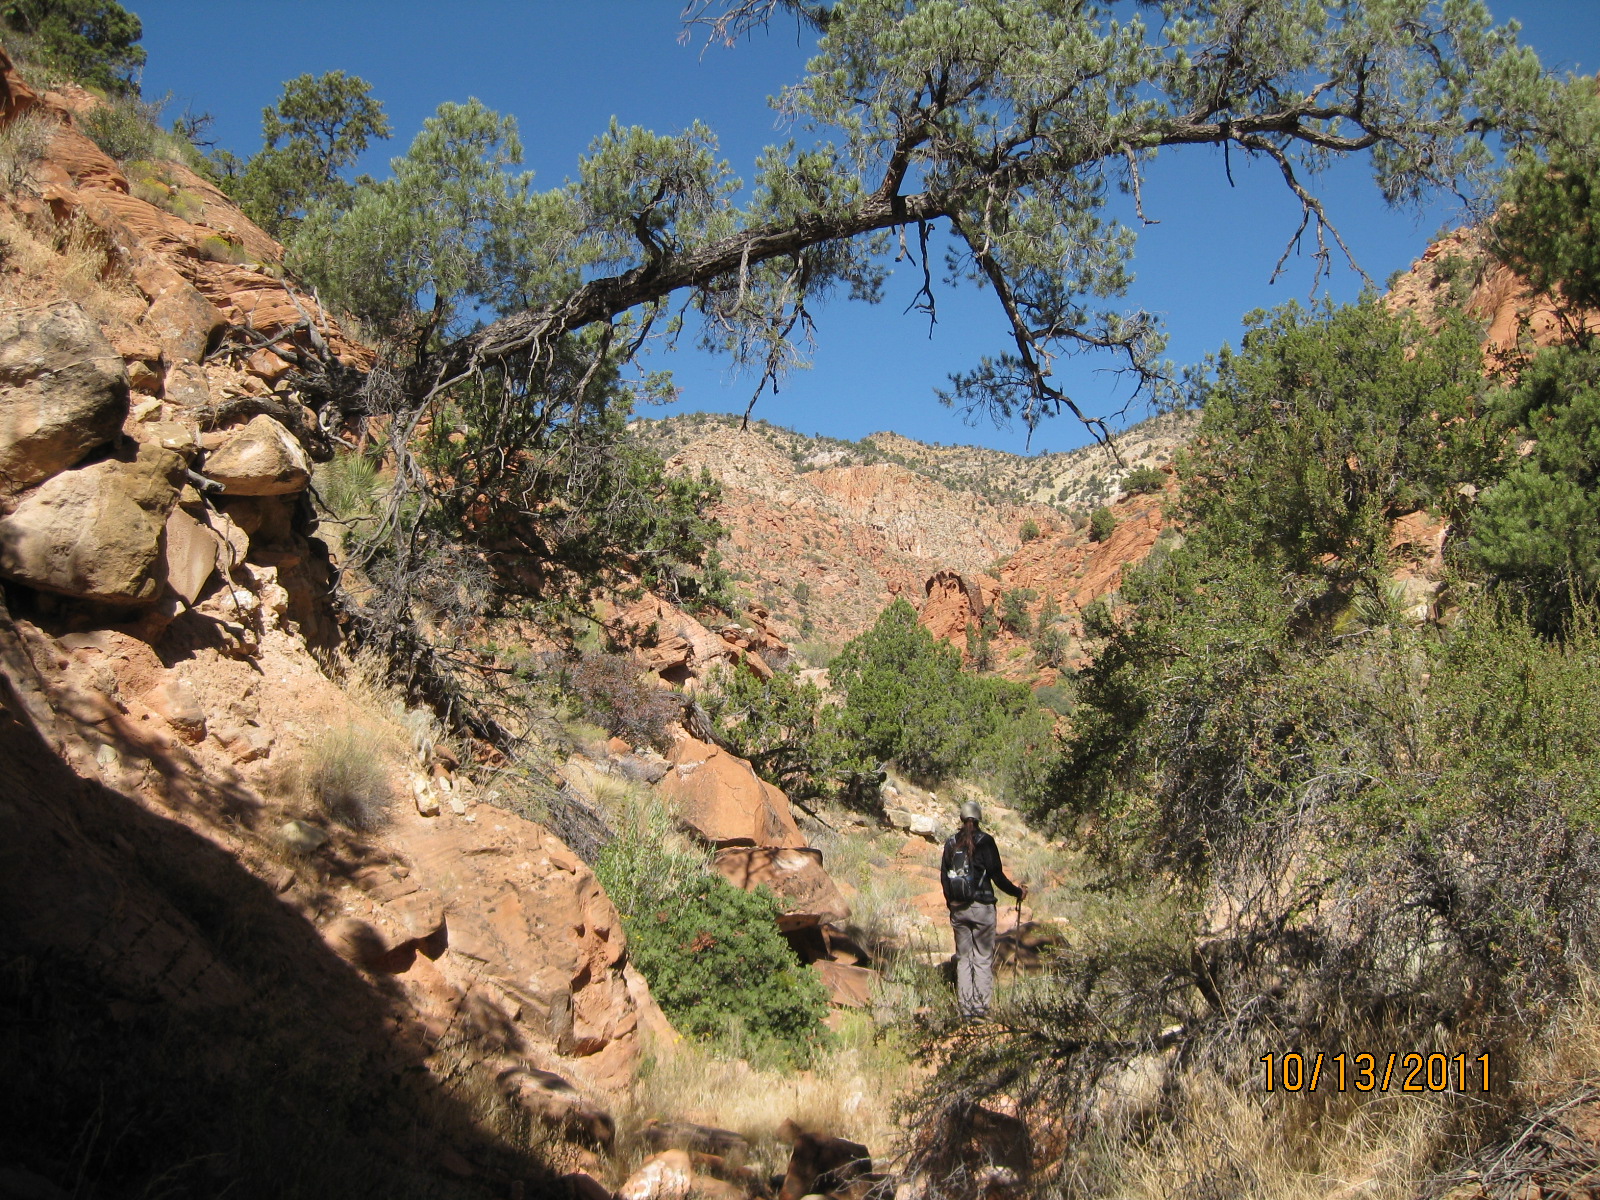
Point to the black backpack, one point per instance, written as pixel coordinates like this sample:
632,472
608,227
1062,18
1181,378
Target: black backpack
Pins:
962,878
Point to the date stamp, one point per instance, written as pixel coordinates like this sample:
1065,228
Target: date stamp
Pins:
1364,1072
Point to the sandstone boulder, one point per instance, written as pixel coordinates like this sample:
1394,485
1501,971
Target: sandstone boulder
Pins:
665,1176
192,553
96,532
723,801
177,703
552,952
917,824
848,987
731,1147
180,319
793,874
63,392
261,459
553,1101
820,1163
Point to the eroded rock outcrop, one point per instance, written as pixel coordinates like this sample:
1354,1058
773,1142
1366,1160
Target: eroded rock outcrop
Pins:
721,799
795,875
63,393
96,532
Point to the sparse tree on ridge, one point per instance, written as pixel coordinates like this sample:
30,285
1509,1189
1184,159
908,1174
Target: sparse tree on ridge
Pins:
318,129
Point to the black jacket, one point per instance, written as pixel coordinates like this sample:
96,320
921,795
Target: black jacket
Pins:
988,861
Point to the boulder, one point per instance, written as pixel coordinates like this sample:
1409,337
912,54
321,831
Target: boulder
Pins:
722,800
820,1163
848,987
916,824
63,393
547,943
185,386
97,532
665,1176
726,1145
182,321
177,703
192,552
554,1102
261,459
794,875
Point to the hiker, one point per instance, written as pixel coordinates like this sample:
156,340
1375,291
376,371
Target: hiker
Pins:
971,863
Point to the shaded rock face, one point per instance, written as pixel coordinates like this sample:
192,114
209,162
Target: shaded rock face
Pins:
262,459
63,393
723,801
96,533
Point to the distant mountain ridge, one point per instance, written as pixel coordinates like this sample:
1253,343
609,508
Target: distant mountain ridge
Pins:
824,532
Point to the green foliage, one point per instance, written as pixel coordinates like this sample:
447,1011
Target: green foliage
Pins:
1143,481
1014,610
1260,716
712,953
1545,229
1536,527
1029,531
1050,640
1101,523
348,485
907,700
783,725
126,128
438,233
317,130
95,42
1328,424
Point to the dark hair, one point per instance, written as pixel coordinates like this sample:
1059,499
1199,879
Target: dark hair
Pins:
967,839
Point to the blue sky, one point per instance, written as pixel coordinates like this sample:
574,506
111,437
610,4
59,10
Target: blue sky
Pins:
564,68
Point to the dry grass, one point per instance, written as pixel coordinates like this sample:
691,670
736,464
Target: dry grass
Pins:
71,260
345,775
849,1092
1235,1141
23,143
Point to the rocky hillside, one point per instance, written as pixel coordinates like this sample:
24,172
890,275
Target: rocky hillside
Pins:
293,925
824,533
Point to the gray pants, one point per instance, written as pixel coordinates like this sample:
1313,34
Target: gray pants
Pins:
974,929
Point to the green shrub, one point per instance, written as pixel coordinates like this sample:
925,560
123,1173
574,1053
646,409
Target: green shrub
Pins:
125,128
1535,529
1143,481
783,726
220,250
908,700
712,953
348,485
1014,610
1101,523
1029,531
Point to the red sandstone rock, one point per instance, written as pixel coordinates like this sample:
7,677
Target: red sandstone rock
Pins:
722,799
794,875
